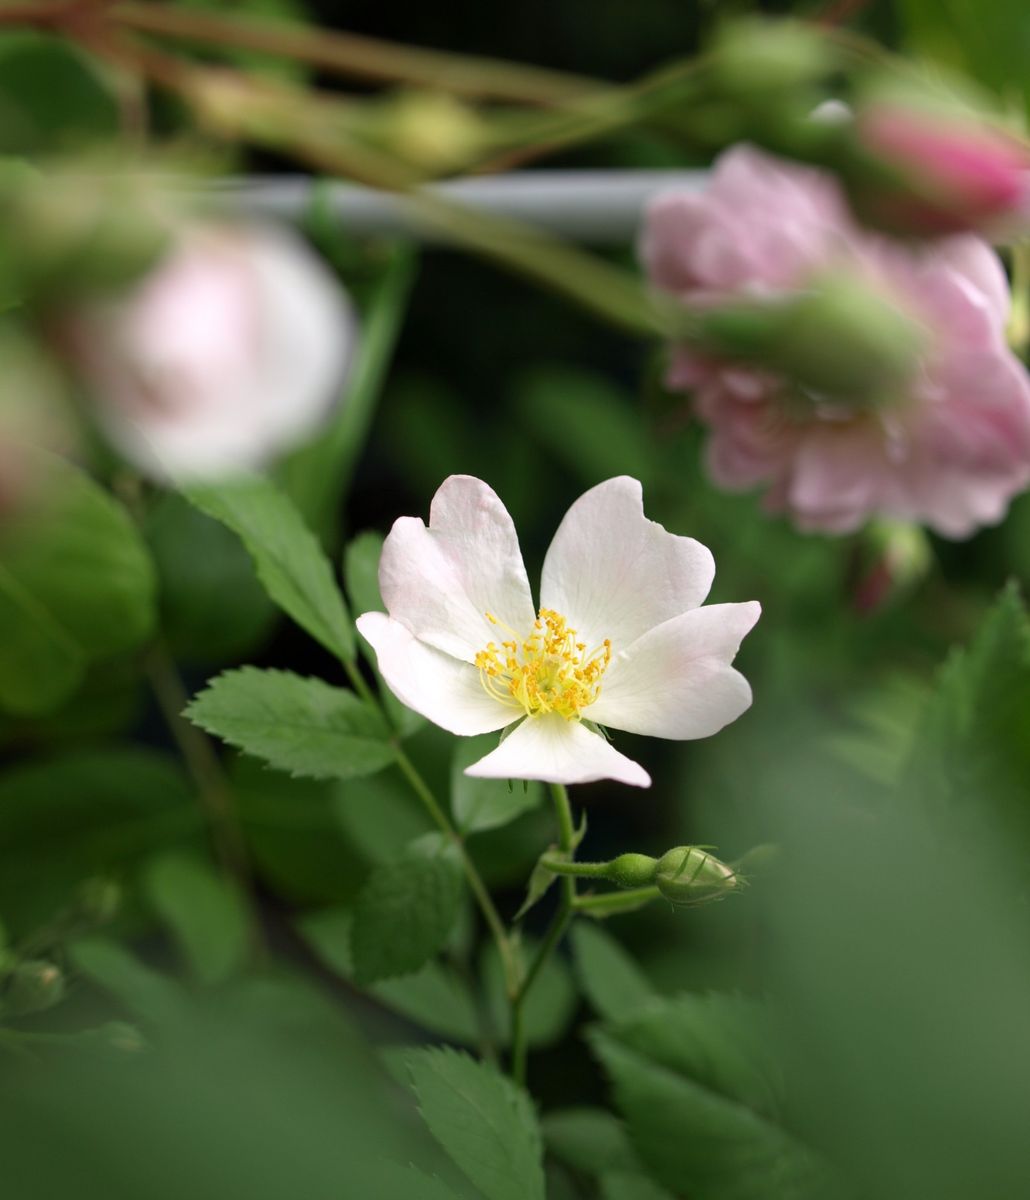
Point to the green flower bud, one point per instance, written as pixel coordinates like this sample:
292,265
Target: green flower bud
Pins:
756,58
32,986
632,870
99,900
690,875
91,228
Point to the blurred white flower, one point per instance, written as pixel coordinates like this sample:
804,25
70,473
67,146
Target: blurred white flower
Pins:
233,349
621,639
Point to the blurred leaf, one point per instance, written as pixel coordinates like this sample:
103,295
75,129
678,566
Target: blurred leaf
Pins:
406,911
85,813
627,1185
212,607
433,997
990,41
290,562
614,984
484,1122
971,751
610,436
144,992
293,835
361,572
299,725
52,96
479,804
590,1140
76,585
204,912
696,1082
318,475
552,1001
378,814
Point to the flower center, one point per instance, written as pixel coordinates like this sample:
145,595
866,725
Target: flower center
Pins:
548,672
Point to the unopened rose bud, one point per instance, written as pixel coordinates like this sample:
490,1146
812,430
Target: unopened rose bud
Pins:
88,228
32,986
756,58
430,130
231,351
897,556
839,339
935,172
690,875
632,870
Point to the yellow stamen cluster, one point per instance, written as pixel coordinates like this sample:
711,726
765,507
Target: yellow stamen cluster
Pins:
548,672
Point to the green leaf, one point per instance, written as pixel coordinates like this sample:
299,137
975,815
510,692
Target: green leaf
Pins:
589,1140
971,754
480,804
85,813
144,992
434,997
293,835
76,586
361,572
52,97
539,884
484,1122
406,911
614,984
695,1081
290,563
630,1185
213,609
551,1003
299,725
205,913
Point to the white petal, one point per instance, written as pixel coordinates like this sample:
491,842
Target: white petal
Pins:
558,751
444,690
676,681
613,573
441,581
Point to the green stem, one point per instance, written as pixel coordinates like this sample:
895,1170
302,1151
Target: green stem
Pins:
585,870
610,903
204,767
475,880
559,923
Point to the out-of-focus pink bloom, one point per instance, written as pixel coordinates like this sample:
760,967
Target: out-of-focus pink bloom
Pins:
949,450
232,350
953,175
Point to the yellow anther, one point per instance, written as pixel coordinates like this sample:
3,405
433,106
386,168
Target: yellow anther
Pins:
550,672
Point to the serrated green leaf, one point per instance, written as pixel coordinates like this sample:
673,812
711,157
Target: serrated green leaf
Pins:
694,1079
433,997
590,1140
361,573
205,913
484,1122
613,983
144,992
406,911
971,753
290,563
480,804
76,586
299,725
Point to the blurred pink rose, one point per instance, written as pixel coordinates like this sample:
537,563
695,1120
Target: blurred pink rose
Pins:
953,175
950,452
232,350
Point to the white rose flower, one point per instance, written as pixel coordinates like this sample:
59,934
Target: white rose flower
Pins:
620,639
230,351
